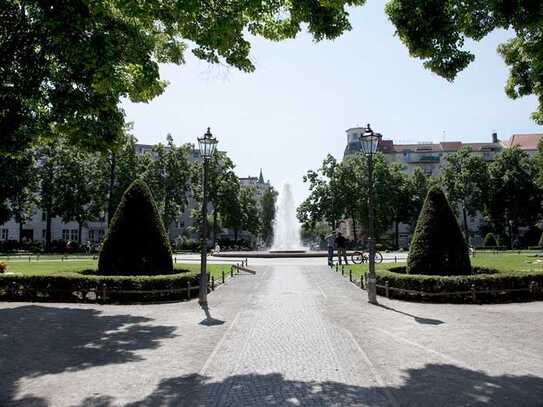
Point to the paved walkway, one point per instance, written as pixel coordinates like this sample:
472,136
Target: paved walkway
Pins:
288,336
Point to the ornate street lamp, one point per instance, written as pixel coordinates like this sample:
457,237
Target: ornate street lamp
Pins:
207,145
370,141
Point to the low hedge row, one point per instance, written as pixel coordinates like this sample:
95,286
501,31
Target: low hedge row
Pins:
93,288
490,286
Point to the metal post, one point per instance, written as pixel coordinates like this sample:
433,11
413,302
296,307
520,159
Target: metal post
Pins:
188,290
372,289
202,297
387,289
223,276
350,275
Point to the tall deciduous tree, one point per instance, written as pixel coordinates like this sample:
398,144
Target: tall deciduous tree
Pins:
267,215
465,178
168,177
65,66
436,30
514,197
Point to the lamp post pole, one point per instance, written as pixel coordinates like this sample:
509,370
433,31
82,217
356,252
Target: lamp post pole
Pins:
372,289
202,297
370,143
207,145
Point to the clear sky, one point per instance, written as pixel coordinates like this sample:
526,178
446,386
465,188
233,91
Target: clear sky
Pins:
291,112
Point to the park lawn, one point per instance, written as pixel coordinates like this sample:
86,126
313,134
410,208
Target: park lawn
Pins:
508,262
74,266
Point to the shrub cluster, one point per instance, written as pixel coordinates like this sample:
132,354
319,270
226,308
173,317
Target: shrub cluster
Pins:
76,287
136,242
435,287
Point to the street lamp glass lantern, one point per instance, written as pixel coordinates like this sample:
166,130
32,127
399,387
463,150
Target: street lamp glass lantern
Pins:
370,141
207,144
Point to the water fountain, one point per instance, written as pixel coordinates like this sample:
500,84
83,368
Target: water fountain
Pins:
286,228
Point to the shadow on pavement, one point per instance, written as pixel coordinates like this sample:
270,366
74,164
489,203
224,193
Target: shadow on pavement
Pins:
209,320
420,320
39,340
432,385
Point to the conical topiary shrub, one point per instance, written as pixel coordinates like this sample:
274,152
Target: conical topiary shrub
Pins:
136,242
438,246
490,240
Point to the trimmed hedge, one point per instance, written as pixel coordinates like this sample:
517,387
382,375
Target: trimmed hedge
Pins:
438,246
490,240
435,287
136,242
90,288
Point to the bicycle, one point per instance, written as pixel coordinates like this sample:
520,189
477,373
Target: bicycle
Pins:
359,257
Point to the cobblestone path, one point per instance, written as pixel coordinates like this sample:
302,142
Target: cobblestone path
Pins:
283,346
287,336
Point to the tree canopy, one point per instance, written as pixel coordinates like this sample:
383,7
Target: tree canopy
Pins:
436,31
65,66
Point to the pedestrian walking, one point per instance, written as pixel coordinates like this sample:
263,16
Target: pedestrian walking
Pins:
341,245
330,242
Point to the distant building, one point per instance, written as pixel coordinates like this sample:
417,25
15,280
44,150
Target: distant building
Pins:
260,186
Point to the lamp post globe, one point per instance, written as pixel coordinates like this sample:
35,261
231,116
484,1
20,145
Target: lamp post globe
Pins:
369,141
207,145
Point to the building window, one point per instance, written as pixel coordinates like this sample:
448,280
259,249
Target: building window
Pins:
4,235
179,224
70,234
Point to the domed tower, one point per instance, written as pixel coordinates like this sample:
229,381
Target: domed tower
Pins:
353,140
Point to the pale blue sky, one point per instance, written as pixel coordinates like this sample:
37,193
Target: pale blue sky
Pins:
295,108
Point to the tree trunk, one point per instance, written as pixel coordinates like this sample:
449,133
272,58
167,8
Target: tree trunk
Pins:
466,230
110,208
215,216
79,231
48,232
397,235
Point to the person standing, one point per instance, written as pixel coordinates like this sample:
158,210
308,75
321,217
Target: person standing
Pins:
330,242
341,245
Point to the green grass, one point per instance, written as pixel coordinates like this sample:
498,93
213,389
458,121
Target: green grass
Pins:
506,262
57,267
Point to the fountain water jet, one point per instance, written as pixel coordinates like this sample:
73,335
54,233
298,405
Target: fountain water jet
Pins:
286,228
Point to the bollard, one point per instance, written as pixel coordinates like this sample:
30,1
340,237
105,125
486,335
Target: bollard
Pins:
29,259
361,282
337,267
246,262
188,290
342,267
175,260
532,287
223,276
237,268
212,283
104,293
342,272
351,276
232,271
387,293
395,259
473,296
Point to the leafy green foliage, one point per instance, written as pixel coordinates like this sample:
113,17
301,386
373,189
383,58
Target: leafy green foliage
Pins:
513,193
267,215
168,176
435,31
136,242
65,67
490,240
437,246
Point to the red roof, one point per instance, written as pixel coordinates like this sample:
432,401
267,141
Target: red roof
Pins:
524,141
